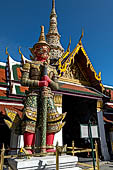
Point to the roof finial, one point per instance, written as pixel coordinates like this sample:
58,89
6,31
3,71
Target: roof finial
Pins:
53,4
68,49
22,57
81,36
20,51
6,52
53,7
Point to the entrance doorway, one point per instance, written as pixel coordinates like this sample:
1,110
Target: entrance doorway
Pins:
79,111
4,133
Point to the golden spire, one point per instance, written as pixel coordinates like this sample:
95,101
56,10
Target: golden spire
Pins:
53,7
53,4
42,36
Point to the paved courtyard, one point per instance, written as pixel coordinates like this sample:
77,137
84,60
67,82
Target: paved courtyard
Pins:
104,165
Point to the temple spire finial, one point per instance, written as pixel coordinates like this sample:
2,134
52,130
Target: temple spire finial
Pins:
53,4
53,37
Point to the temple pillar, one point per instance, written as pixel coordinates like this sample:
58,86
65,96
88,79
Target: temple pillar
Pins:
58,103
103,143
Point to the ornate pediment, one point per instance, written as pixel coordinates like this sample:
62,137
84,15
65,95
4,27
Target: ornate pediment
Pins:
74,74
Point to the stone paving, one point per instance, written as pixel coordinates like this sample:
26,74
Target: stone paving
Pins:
104,165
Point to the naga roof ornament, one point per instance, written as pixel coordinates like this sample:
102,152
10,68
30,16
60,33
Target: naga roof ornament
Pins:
53,37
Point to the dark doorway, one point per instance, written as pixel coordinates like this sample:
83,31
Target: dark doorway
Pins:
79,111
4,133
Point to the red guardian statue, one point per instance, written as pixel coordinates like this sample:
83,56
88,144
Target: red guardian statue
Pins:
39,109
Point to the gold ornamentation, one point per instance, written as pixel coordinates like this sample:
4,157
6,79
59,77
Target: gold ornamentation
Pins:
8,123
55,127
56,117
74,81
58,100
31,113
11,114
7,52
99,105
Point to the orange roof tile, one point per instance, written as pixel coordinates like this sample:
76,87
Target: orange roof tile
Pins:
78,89
23,89
73,87
2,75
3,93
19,73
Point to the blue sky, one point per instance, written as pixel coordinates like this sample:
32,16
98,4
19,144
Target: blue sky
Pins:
20,22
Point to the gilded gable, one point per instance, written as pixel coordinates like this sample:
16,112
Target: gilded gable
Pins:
74,74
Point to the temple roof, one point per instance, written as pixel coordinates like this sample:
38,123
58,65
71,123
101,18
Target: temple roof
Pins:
79,90
79,58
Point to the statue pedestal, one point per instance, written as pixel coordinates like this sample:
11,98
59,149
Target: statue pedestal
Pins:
66,162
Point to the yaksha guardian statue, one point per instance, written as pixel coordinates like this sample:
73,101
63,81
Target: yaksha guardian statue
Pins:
39,109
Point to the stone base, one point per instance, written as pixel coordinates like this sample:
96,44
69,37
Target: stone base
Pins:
66,162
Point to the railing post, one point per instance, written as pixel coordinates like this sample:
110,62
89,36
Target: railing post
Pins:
91,141
73,145
57,157
2,157
96,152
